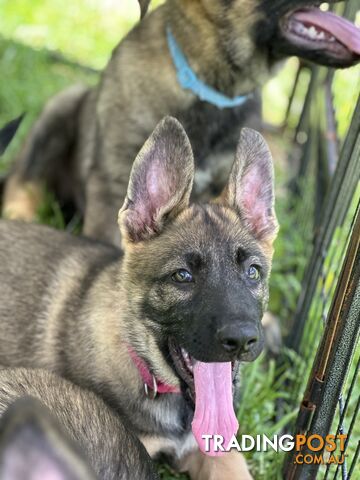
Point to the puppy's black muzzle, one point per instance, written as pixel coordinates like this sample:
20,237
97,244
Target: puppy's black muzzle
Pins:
236,339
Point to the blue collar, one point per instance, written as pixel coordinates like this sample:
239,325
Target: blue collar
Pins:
188,79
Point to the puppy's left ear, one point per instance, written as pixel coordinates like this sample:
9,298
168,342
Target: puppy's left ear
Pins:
144,5
160,182
250,188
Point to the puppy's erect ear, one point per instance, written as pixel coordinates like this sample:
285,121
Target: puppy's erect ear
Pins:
250,188
33,446
144,5
160,182
7,132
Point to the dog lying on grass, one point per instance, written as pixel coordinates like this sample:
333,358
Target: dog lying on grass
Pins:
39,443
202,61
157,331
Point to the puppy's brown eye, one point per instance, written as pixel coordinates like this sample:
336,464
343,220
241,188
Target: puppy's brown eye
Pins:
253,273
182,276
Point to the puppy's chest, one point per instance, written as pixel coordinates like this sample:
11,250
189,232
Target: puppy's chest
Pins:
171,414
174,448
171,418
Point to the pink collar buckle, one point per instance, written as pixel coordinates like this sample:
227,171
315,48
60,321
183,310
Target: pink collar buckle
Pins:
150,381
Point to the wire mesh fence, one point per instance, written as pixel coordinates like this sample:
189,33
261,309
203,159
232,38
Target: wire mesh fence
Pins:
326,390
326,193
326,323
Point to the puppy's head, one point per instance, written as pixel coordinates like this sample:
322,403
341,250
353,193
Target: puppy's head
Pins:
268,30
197,275
301,28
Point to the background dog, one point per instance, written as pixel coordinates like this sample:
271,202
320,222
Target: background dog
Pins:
84,142
157,331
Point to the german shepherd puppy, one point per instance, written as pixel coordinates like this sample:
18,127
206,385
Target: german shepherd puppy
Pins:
84,142
34,441
158,330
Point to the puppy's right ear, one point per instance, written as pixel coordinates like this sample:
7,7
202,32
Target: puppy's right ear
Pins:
250,188
33,446
160,182
144,5
7,133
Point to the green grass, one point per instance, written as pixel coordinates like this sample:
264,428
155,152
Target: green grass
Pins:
262,392
30,79
276,93
85,32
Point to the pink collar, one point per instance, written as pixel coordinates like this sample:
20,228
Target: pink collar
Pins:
157,385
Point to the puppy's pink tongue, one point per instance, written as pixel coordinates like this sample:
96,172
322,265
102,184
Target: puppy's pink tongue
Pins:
214,411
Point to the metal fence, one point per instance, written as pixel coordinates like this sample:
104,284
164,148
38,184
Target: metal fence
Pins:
326,324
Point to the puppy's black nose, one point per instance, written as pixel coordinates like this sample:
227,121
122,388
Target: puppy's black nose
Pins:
235,339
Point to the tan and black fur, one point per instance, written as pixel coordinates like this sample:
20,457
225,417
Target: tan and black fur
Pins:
83,144
33,446
80,430
74,306
49,426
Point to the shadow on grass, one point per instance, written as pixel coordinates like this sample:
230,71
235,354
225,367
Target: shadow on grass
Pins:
30,77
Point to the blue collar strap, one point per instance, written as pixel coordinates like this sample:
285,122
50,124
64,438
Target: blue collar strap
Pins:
188,79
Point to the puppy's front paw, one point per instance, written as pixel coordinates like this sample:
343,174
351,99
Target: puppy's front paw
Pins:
232,466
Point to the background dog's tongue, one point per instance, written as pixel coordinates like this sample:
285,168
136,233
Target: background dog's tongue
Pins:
214,411
343,30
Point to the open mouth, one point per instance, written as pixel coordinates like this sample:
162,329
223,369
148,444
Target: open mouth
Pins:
184,365
210,386
324,32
